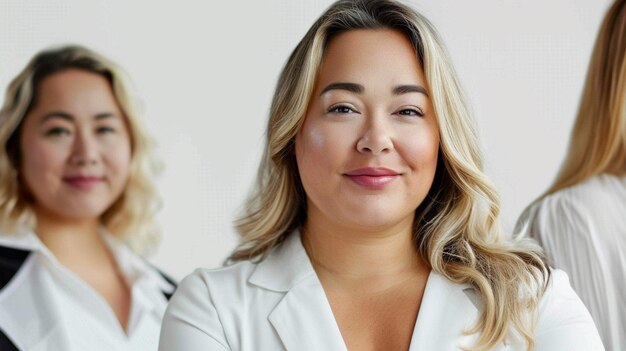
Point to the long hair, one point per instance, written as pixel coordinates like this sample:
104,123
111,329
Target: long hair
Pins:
456,228
598,141
131,216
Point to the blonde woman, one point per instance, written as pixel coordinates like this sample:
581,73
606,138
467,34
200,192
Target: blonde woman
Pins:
581,220
76,195
372,226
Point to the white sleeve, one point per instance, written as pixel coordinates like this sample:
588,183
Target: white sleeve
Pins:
191,322
564,322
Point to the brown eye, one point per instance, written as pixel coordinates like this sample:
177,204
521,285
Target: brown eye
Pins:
411,112
58,131
342,109
105,130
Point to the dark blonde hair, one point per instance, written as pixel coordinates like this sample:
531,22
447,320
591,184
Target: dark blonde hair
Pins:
131,216
456,227
598,141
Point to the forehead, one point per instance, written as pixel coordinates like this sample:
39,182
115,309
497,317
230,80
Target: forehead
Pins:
362,55
75,88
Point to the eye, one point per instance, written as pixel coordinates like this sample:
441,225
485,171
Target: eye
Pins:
57,132
411,112
105,130
341,109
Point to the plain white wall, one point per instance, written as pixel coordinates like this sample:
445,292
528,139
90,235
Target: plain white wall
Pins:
206,73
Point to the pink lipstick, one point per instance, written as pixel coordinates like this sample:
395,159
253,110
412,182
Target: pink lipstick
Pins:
372,177
83,182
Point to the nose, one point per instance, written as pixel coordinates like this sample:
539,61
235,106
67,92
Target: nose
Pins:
85,150
377,136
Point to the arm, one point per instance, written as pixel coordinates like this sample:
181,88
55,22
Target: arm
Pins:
191,322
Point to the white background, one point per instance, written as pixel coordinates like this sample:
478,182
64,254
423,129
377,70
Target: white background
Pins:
206,72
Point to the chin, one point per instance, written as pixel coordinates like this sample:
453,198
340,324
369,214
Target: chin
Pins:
84,211
375,220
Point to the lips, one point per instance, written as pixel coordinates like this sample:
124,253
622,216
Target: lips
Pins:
83,182
372,177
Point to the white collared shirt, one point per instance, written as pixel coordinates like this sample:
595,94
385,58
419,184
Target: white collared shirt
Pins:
583,231
45,306
279,304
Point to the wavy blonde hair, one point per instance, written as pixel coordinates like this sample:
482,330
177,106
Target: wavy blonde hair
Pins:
131,216
456,228
598,141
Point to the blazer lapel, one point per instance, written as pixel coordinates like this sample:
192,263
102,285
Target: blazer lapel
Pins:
303,318
447,310
304,321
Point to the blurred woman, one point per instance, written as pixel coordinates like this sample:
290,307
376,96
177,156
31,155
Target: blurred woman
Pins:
372,226
77,205
581,220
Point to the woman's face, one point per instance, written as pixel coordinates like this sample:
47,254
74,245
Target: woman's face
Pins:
75,146
367,152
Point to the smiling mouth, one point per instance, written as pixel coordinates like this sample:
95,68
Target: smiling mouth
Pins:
373,177
83,182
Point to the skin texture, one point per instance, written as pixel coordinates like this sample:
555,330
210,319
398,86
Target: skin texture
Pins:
76,129
359,238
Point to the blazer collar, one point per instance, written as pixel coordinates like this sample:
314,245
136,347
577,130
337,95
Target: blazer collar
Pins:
284,267
302,319
447,310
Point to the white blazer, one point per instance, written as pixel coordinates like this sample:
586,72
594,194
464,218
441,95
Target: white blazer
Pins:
279,304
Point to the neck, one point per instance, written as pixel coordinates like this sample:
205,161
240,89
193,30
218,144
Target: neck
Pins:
351,254
70,240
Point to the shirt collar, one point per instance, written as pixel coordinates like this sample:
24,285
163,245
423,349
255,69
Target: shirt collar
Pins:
28,241
134,268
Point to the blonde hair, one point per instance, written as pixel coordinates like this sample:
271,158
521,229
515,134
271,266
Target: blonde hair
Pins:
456,228
598,141
131,216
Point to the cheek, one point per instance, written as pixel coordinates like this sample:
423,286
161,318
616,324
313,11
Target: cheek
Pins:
311,145
119,160
320,147
40,159
421,151
318,156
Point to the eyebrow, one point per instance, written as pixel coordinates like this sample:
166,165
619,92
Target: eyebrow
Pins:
359,89
351,87
404,89
104,115
68,117
57,114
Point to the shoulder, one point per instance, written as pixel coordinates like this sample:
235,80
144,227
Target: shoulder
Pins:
204,289
591,208
563,321
567,210
583,197
200,311
224,280
563,202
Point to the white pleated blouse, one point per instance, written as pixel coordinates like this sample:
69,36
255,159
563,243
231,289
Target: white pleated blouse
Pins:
583,231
